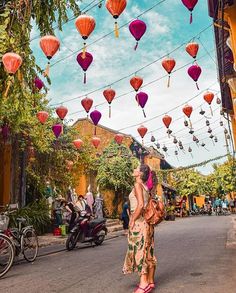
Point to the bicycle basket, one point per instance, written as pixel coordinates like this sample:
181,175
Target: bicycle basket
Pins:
4,221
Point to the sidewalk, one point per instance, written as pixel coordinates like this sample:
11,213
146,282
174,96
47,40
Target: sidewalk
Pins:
231,235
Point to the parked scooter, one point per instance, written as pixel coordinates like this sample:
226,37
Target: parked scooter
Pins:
86,230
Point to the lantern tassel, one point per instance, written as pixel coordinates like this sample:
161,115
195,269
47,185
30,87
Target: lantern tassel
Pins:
84,51
191,155
136,46
191,18
85,78
144,114
7,89
211,111
109,111
116,30
46,71
95,130
168,82
19,75
197,86
190,123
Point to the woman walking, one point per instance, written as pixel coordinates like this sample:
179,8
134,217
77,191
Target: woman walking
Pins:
140,255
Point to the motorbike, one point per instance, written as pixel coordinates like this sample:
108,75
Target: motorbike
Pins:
86,230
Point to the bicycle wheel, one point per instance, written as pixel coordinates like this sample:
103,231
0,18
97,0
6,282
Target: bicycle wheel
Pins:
6,254
29,244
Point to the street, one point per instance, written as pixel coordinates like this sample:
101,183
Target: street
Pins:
191,254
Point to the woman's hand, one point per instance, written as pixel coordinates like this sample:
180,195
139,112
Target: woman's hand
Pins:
131,223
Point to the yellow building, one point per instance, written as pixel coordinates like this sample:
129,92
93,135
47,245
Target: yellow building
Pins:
224,18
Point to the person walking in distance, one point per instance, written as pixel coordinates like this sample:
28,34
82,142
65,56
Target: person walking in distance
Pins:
125,216
140,254
90,199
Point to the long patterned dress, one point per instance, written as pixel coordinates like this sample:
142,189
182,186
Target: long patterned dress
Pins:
140,254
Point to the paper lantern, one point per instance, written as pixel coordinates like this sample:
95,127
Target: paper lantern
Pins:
192,49
194,72
96,141
87,104
95,117
38,83
61,112
142,99
116,7
190,4
42,116
109,95
57,130
137,28
84,62
168,64
208,97
78,143
119,138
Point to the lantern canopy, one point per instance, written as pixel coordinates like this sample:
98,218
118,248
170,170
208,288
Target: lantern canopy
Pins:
194,72
78,143
137,28
119,138
142,99
42,116
85,62
57,130
95,117
87,104
49,46
61,112
96,141
109,95
85,25
116,7
190,4
168,64
11,62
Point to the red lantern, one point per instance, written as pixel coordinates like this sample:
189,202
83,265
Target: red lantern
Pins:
78,143
12,63
85,25
208,97
167,120
188,111
109,95
168,64
96,141
142,130
190,4
42,116
136,82
119,138
192,49
116,7
87,104
49,45
61,112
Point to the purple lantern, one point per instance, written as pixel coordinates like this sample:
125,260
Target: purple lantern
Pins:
190,4
57,130
38,83
142,98
84,62
194,72
137,28
95,117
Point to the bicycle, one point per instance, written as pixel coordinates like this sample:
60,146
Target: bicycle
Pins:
7,251
24,239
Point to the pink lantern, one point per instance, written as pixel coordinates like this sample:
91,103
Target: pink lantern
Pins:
142,100
57,130
95,117
38,83
194,72
137,28
190,4
84,62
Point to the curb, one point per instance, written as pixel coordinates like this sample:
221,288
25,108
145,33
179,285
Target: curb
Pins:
231,234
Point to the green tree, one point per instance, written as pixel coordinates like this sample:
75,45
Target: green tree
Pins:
115,169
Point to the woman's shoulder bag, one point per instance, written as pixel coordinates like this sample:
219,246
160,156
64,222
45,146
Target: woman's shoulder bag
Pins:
154,212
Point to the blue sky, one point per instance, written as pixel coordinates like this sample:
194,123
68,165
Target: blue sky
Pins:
167,27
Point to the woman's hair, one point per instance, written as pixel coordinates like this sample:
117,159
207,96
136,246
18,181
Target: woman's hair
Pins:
154,182
145,170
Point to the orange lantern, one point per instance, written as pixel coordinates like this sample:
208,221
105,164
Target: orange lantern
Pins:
42,116
61,112
119,138
78,143
136,82
12,63
142,130
85,25
109,95
208,97
188,111
96,141
168,64
116,7
192,49
49,45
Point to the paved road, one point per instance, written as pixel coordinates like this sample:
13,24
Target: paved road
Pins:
191,252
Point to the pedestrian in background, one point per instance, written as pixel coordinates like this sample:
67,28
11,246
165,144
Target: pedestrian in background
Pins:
89,199
140,254
125,216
